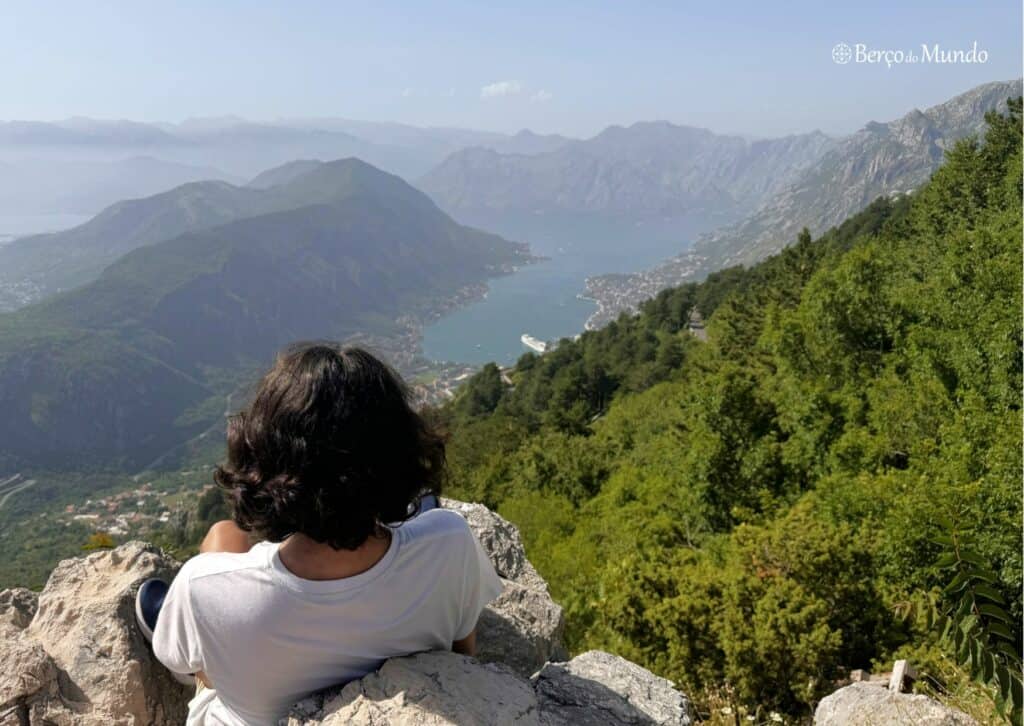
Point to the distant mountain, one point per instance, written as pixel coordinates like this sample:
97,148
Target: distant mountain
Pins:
283,174
389,133
525,141
140,359
32,268
528,143
242,147
879,160
84,132
441,141
41,185
408,151
248,146
649,169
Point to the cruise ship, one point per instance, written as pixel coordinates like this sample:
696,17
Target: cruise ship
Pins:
533,343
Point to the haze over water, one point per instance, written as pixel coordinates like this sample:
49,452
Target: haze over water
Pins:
20,225
541,299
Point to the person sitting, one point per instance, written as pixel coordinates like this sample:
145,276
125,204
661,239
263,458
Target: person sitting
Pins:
333,468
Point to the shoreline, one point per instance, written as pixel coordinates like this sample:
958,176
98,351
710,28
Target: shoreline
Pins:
405,349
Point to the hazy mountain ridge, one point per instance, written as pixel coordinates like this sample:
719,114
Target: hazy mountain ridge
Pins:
70,165
39,185
283,174
80,131
442,140
879,160
136,361
33,267
648,169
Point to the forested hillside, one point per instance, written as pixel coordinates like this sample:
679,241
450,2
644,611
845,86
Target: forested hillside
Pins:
748,515
881,159
119,372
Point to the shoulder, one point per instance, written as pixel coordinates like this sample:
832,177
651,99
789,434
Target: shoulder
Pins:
437,526
213,564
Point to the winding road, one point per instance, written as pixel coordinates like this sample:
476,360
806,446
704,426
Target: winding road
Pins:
11,486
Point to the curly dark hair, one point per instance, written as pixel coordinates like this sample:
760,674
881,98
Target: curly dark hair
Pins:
329,447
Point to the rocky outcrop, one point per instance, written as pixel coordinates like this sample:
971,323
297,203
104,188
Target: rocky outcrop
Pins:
598,688
28,673
17,607
523,627
445,689
73,655
869,704
428,689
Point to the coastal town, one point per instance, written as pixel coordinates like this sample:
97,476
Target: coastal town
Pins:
434,383
134,511
623,292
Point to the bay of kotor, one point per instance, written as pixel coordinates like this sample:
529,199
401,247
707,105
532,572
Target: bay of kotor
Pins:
543,299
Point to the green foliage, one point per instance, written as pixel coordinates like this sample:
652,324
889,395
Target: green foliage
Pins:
772,609
211,507
974,622
747,513
481,393
99,541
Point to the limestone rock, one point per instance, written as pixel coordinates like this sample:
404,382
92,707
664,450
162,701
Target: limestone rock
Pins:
429,689
522,628
597,688
28,678
85,623
446,689
863,704
17,607
501,541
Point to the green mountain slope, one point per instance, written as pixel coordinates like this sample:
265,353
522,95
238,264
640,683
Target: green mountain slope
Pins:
35,267
745,515
890,158
882,158
137,361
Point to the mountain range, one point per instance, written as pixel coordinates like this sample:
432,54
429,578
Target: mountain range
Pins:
134,326
647,170
41,186
34,267
81,165
881,159
141,358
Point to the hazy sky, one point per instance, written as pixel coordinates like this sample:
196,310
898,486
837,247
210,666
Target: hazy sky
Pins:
552,66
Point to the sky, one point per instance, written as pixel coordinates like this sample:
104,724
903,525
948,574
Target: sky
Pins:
754,68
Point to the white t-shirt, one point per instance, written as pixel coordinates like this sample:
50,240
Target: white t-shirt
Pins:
266,638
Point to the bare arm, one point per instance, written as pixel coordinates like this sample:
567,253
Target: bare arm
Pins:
225,536
466,646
